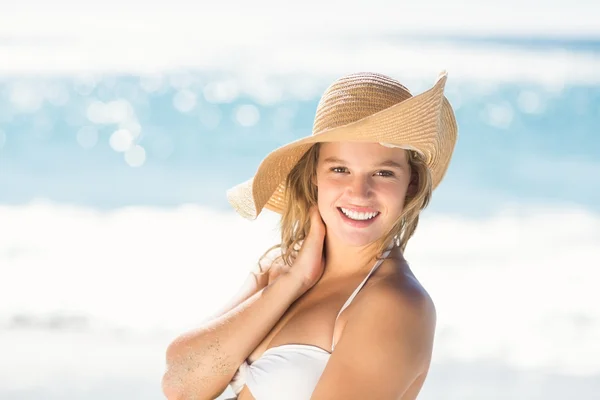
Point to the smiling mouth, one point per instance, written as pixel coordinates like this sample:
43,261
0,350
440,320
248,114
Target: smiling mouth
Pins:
358,216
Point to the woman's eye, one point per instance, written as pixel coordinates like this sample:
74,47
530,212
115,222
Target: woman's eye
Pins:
338,169
385,173
341,170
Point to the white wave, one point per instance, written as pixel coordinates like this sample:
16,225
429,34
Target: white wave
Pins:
329,38
299,66
519,287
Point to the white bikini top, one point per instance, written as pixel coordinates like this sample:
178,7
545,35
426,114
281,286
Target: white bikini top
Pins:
289,371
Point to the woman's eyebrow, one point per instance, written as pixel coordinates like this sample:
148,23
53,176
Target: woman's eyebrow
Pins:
334,160
391,164
386,163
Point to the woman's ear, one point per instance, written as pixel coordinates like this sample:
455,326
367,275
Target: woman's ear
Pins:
413,185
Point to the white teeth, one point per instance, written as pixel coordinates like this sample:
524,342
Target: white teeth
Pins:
361,216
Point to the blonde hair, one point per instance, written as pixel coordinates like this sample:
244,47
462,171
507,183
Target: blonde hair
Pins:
301,194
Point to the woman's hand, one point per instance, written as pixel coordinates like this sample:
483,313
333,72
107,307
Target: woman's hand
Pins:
309,265
270,268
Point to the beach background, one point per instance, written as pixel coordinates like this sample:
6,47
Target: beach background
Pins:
123,123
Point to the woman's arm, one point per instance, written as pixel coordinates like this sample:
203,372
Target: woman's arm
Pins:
258,278
254,283
201,363
392,334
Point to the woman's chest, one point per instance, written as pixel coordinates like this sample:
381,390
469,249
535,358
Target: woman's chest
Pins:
311,320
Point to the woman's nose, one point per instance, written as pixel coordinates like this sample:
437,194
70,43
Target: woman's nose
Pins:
360,187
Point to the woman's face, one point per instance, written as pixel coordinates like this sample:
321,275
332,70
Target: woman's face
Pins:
361,189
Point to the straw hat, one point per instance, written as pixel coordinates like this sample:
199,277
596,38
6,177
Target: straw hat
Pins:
360,107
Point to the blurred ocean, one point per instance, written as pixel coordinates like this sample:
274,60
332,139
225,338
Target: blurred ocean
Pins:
116,151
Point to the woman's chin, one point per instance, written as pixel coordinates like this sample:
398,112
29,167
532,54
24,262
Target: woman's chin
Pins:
354,240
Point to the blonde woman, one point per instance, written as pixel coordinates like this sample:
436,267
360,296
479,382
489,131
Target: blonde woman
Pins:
334,311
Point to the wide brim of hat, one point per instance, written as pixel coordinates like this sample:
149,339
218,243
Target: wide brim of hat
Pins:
424,123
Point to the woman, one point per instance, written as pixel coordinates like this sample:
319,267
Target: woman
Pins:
334,311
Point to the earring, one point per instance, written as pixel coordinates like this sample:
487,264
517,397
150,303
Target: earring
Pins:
397,240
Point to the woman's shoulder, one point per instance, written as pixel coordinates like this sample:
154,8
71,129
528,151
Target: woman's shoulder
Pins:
397,287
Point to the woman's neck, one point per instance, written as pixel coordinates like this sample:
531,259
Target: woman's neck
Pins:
342,260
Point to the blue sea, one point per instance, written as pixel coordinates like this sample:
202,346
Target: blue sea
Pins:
111,140
117,147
